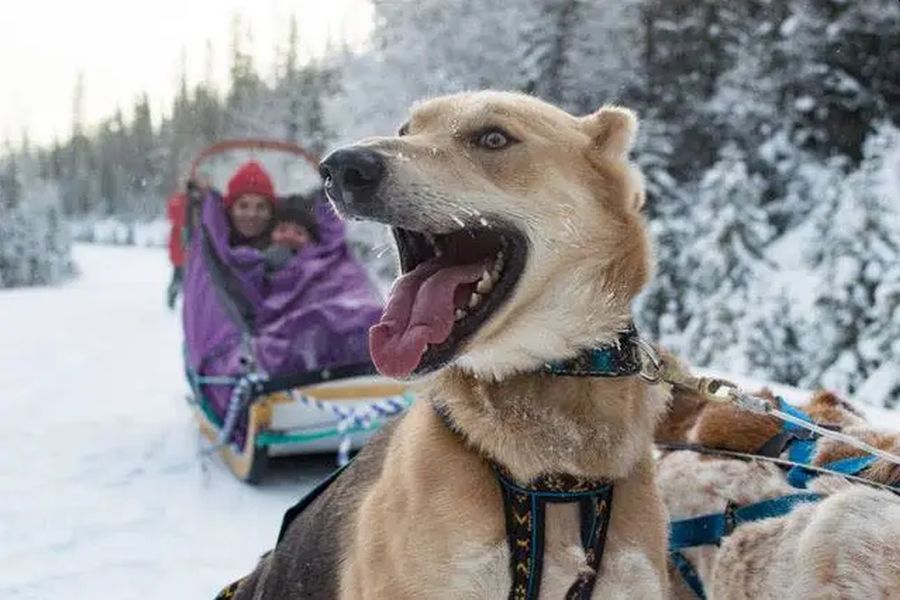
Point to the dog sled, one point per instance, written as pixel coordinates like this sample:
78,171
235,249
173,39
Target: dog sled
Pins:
278,362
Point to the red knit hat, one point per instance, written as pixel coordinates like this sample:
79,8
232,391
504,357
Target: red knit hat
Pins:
251,178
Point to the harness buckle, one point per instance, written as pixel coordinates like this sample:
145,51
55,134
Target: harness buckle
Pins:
731,520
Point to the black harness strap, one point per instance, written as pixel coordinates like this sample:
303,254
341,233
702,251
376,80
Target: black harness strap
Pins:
601,506
525,509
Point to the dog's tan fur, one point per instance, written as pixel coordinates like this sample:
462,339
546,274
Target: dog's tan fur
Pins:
569,188
430,524
842,547
433,483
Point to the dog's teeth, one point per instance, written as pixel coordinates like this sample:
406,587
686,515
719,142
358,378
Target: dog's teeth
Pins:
460,314
498,265
474,299
485,284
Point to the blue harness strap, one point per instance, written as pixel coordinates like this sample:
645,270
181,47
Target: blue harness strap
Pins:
803,444
710,529
621,358
800,445
800,477
799,442
688,573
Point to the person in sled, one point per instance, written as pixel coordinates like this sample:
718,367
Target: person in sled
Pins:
250,204
295,228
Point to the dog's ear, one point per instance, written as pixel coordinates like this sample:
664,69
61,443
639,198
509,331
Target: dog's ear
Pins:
612,130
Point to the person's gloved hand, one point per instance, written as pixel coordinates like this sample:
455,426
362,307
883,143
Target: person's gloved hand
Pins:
277,255
172,294
174,287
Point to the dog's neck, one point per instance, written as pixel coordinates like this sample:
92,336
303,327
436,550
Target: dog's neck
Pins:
534,424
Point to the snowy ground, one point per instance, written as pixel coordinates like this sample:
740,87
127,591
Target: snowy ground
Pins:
103,492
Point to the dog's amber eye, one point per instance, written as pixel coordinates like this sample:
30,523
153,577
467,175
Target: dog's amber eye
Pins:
494,139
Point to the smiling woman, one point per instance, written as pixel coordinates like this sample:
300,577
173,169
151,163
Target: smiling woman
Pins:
124,49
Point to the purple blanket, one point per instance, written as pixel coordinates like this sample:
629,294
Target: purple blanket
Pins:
315,312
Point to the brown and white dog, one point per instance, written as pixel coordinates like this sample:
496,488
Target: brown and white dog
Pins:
521,241
846,546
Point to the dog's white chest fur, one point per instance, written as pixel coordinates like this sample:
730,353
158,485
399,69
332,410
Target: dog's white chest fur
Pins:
482,572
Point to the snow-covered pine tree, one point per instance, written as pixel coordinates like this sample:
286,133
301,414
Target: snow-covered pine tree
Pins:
857,305
545,43
247,103
775,331
34,244
602,60
725,252
143,168
10,185
848,76
661,311
300,95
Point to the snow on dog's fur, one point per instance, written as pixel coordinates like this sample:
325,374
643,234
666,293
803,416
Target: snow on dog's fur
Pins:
846,546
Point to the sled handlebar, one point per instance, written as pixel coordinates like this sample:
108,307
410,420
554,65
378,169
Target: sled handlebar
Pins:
253,144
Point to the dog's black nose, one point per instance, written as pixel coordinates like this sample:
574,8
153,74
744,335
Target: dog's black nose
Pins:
352,175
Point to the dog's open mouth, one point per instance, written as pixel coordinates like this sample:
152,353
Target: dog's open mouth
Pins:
450,286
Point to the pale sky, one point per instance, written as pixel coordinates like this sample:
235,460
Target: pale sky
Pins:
125,47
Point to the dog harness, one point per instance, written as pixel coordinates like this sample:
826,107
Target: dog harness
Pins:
800,444
524,506
710,529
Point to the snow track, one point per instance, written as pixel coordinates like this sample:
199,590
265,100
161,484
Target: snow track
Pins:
102,491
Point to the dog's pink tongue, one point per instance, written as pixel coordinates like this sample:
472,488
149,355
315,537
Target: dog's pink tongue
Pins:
420,311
